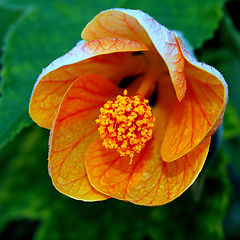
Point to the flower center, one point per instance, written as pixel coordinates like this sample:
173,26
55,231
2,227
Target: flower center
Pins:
125,124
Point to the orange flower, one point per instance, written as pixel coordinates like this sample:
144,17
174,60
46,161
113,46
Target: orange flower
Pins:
106,141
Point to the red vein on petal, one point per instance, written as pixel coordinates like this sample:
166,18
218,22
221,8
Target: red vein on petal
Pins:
108,168
183,178
158,183
199,105
76,143
130,176
60,120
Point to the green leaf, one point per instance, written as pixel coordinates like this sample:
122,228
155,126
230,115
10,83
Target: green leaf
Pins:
48,29
10,126
8,17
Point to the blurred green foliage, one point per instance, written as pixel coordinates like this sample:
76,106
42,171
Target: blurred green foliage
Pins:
32,34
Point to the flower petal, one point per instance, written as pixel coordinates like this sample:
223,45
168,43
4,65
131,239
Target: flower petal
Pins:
84,58
74,129
164,106
195,117
139,26
148,180
207,74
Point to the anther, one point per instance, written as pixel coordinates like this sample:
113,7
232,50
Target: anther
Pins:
125,124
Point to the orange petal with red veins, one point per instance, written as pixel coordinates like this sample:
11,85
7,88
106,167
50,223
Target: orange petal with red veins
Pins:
148,180
200,112
193,118
202,72
139,26
91,57
74,129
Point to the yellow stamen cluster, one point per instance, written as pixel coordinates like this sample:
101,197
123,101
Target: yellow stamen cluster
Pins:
125,124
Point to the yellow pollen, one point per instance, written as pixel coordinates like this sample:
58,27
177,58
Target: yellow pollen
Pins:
125,124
